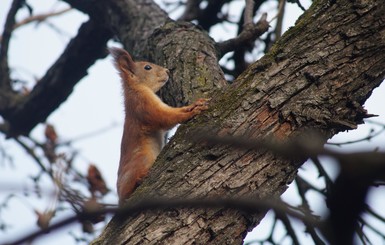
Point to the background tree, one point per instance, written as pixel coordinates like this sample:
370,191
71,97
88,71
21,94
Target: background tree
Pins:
315,78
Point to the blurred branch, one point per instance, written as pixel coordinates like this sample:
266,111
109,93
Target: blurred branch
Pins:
374,214
40,17
239,55
346,205
363,223
90,212
322,172
249,12
289,228
302,187
358,171
298,4
280,14
8,27
30,151
37,18
372,134
90,134
305,145
191,11
57,84
249,34
206,17
339,194
61,172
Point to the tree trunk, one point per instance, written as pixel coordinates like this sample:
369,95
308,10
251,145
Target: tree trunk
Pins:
317,77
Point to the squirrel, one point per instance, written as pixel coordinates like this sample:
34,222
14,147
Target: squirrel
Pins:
146,118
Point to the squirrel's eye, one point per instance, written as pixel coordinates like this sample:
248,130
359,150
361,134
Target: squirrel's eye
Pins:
147,67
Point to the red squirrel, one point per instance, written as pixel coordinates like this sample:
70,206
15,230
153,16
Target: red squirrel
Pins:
146,118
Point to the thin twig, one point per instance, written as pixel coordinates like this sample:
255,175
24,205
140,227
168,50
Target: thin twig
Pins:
31,152
323,173
289,228
366,138
376,215
300,182
371,227
39,17
90,134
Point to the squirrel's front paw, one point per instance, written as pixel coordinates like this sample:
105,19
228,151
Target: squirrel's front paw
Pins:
200,105
201,102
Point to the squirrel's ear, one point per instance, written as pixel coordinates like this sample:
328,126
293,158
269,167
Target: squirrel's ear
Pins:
122,59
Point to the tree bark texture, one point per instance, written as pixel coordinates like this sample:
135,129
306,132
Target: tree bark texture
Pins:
316,77
191,56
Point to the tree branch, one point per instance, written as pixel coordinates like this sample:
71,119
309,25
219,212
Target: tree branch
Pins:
7,95
191,11
131,21
249,34
208,16
5,81
249,12
247,206
57,84
40,17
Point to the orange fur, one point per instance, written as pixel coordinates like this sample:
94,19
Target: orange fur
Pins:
146,119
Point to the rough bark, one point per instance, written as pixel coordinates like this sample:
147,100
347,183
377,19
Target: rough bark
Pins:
316,77
191,56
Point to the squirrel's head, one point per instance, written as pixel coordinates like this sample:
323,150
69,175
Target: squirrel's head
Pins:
145,73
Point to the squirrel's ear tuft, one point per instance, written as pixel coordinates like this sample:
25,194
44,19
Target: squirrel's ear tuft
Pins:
122,60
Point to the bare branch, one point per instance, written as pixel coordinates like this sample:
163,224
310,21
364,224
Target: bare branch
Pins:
191,11
40,17
289,228
8,27
363,223
210,15
323,173
90,134
6,92
303,187
245,205
281,12
249,12
37,18
299,5
372,134
374,214
31,152
249,34
57,84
